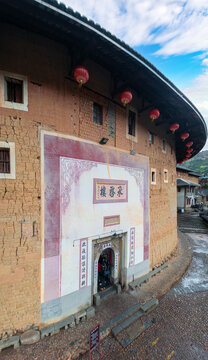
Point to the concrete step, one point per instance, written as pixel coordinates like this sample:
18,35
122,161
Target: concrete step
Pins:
117,319
133,333
132,326
146,277
109,291
117,329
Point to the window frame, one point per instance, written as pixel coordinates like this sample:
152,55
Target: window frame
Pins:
165,171
164,142
11,147
95,104
3,161
151,136
153,181
128,136
3,84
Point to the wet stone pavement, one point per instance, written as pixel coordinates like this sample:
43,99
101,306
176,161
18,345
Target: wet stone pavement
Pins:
180,322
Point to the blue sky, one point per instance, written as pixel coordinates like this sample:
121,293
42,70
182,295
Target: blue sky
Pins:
171,34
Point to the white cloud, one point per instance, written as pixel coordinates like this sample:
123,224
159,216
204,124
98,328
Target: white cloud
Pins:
198,93
178,26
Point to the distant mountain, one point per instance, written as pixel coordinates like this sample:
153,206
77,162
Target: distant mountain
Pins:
199,163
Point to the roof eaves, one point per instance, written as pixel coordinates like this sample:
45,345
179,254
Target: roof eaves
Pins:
62,9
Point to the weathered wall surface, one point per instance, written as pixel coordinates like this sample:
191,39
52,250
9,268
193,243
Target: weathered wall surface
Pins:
20,228
55,102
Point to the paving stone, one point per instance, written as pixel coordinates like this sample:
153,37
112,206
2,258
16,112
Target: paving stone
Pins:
150,305
96,299
30,337
47,330
63,323
13,340
78,316
90,312
118,288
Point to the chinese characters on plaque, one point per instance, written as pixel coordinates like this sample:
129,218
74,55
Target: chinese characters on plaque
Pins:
83,262
107,245
132,247
105,191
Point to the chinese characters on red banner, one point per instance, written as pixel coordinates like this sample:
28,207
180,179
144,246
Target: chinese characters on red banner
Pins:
83,262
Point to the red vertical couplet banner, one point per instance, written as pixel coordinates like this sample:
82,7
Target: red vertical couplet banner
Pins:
94,340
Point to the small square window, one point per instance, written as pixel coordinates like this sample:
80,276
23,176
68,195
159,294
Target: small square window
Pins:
14,94
97,114
153,176
163,145
4,160
132,123
14,90
7,160
166,176
151,138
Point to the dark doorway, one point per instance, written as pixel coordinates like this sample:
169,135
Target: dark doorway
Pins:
105,265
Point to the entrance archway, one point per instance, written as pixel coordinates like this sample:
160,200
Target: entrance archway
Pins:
105,269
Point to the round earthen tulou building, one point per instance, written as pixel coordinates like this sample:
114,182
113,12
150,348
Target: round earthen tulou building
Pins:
90,135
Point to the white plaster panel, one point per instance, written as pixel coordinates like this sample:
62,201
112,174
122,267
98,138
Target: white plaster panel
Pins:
80,218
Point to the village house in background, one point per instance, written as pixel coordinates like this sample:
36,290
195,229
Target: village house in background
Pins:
202,191
89,144
187,187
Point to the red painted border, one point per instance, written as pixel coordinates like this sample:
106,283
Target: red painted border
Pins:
133,228
81,240
56,147
109,217
109,181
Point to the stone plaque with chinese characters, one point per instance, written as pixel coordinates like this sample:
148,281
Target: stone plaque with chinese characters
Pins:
83,262
111,220
109,191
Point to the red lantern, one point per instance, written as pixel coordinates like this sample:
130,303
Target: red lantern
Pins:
185,159
184,136
188,155
81,75
154,114
189,144
181,162
126,97
174,127
189,150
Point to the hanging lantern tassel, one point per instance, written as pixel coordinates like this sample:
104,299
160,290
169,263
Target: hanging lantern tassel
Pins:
184,136
154,114
81,75
126,97
174,127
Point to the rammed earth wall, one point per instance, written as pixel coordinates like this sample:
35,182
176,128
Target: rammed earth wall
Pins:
55,103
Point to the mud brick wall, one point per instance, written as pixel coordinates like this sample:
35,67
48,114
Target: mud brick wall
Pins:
56,103
20,228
